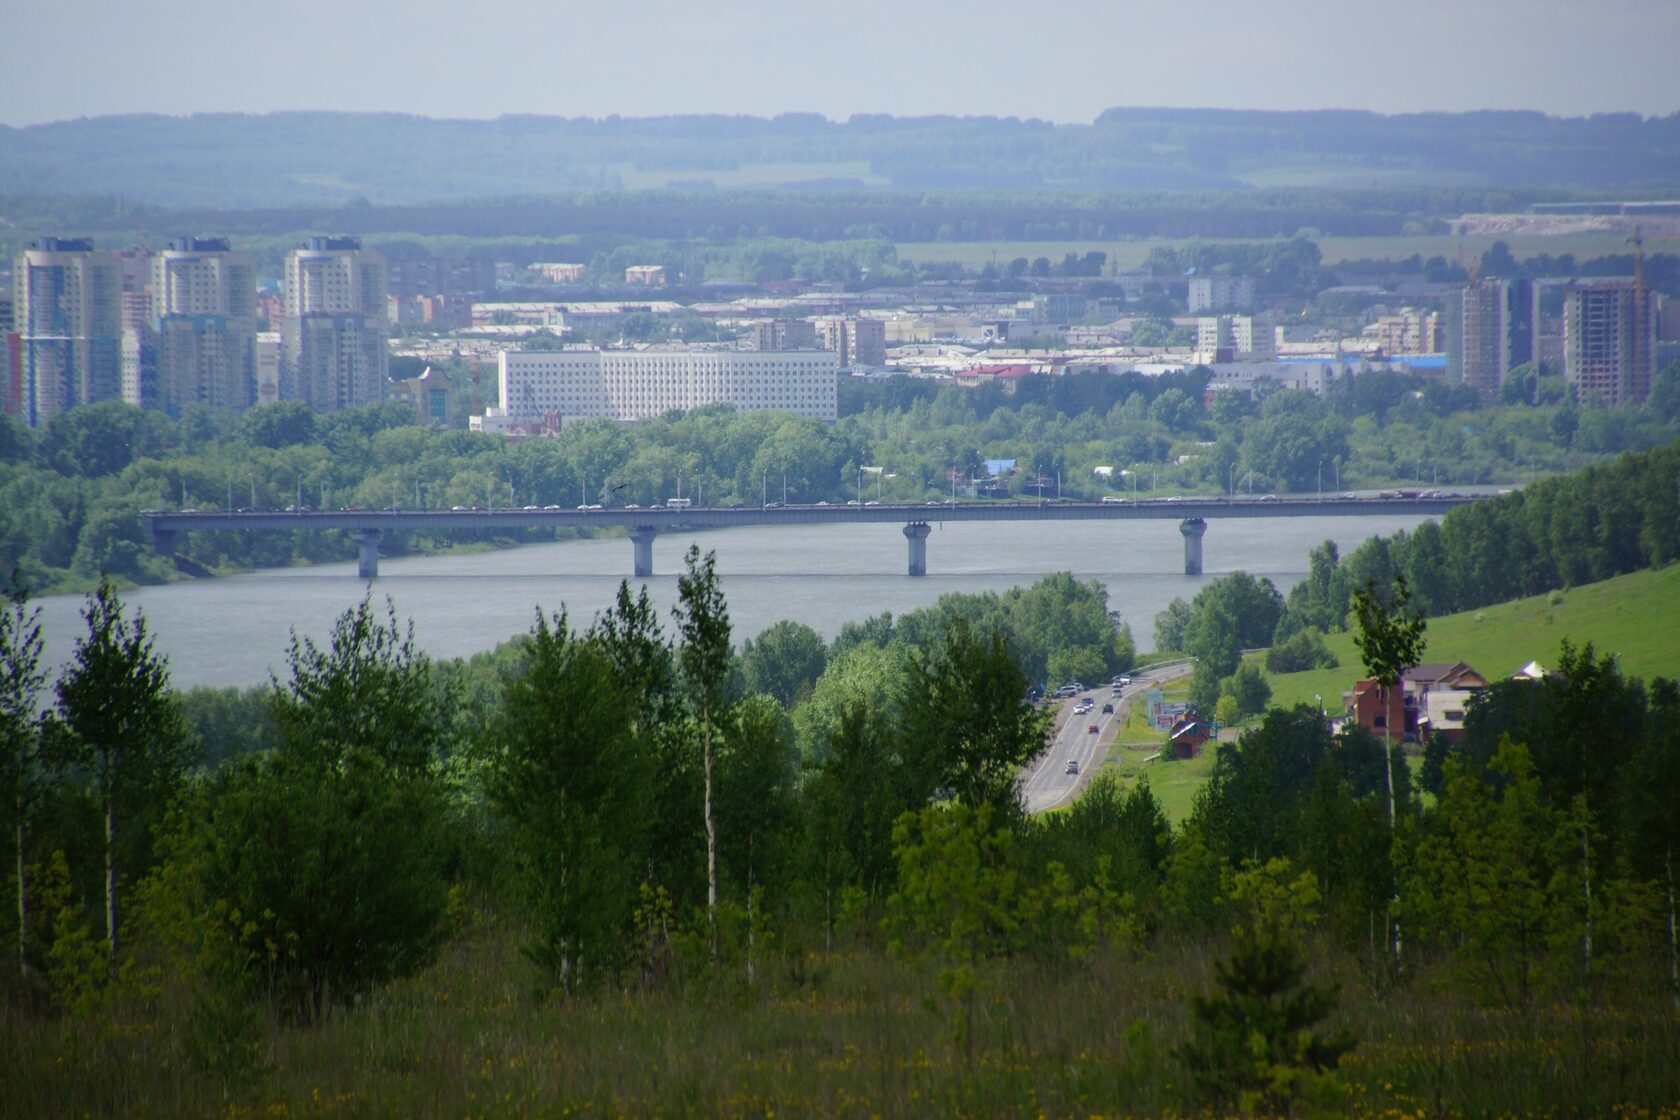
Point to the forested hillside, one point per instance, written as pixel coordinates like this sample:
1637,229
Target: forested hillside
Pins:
293,158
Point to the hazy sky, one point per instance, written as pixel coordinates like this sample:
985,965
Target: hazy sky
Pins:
1065,60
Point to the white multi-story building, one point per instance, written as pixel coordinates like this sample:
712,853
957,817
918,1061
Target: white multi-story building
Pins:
68,308
1237,334
639,384
335,324
1212,294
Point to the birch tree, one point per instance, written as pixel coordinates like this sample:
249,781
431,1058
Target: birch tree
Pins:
125,728
21,681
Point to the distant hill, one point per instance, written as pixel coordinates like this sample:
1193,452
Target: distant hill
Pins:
311,158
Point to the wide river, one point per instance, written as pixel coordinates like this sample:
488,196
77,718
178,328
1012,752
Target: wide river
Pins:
234,631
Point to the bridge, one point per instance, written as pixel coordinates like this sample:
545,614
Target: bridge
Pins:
368,527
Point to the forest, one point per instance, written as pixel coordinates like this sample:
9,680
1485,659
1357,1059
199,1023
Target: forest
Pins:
630,866
275,159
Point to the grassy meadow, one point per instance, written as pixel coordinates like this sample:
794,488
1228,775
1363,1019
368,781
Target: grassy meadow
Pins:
848,1032
1636,617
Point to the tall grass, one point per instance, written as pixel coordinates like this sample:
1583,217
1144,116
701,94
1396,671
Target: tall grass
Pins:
853,1033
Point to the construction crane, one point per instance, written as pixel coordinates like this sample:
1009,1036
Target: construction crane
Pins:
1464,262
1640,358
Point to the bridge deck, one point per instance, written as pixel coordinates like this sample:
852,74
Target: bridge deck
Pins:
661,519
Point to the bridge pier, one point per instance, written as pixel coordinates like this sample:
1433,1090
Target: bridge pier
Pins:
641,538
165,541
1192,528
917,534
367,563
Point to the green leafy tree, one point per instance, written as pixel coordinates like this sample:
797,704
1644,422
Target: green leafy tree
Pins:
319,870
574,780
1652,781
124,728
1249,688
1390,640
706,661
369,691
1170,625
1479,876
1227,711
785,662
312,886
957,899
968,727
21,680
852,799
1301,652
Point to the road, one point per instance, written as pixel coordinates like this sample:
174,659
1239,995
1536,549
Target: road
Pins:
1045,782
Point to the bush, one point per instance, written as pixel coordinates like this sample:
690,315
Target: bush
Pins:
1304,650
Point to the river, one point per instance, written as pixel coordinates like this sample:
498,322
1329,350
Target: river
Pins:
234,630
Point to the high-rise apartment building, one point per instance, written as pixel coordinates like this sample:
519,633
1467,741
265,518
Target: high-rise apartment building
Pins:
202,329
11,386
859,342
1231,335
1212,294
1609,340
785,334
1490,330
68,309
334,327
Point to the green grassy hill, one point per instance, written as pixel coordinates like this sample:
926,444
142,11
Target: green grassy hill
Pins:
1636,617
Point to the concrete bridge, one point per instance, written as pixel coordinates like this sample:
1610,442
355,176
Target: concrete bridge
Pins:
368,527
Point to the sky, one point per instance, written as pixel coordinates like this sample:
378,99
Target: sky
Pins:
1062,60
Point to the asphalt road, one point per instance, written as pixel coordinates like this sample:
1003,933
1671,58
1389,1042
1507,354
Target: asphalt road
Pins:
1045,782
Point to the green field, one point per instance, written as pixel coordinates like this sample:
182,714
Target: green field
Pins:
1635,617
1131,254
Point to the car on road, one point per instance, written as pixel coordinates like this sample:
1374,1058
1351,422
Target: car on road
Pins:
1094,730
548,508
1108,709
1065,691
1072,766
